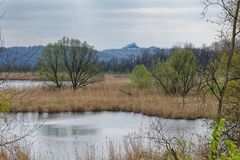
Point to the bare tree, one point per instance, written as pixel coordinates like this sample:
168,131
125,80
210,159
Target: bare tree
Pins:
80,62
51,64
167,142
9,139
229,20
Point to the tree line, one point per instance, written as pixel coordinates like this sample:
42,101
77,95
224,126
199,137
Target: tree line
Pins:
148,57
22,59
77,62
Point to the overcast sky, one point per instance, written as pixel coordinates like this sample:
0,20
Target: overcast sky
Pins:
106,23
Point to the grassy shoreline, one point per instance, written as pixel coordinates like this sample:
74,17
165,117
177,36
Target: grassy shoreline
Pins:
31,76
108,96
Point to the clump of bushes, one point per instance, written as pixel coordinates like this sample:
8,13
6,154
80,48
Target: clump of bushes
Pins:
141,77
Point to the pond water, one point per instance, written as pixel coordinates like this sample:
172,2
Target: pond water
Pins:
60,135
21,84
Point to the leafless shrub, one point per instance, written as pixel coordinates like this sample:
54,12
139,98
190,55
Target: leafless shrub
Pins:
169,144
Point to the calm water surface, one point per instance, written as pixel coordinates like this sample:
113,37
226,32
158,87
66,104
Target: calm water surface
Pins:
61,134
21,84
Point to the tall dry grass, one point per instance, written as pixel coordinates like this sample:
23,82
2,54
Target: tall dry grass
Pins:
18,76
110,95
132,150
20,154
128,150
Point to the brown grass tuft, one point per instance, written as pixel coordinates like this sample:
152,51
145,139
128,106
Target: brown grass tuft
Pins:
20,154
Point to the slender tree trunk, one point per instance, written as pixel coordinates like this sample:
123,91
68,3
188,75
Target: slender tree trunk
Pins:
219,111
229,62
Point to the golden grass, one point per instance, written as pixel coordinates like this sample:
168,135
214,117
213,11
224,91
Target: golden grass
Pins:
132,149
135,149
20,154
18,76
127,150
107,96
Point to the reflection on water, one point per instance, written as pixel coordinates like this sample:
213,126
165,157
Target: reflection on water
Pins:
63,133
59,131
21,84
24,84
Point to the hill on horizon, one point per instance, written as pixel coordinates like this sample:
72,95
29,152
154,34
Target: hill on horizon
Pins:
29,55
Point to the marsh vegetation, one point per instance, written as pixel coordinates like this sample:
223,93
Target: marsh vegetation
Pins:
183,82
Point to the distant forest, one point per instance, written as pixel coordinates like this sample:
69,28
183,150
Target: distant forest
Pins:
25,59
127,64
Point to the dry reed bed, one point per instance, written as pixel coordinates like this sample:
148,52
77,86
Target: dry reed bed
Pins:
18,76
131,150
21,154
107,96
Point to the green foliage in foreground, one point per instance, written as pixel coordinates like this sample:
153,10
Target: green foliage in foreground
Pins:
4,103
231,153
4,106
216,135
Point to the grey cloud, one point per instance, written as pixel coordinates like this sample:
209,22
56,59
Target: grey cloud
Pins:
116,4
37,5
105,23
